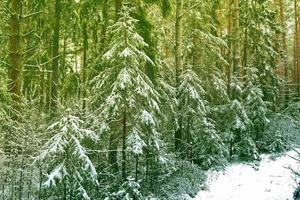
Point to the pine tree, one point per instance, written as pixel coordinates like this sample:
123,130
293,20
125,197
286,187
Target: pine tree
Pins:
126,94
240,141
237,134
203,144
256,108
67,159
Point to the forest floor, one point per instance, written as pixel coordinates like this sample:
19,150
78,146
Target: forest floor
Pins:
270,179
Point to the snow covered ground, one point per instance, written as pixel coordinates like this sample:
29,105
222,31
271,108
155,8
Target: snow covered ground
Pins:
271,181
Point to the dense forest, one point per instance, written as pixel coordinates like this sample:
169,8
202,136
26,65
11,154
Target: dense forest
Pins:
135,99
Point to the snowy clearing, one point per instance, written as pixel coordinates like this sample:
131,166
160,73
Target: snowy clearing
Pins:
271,181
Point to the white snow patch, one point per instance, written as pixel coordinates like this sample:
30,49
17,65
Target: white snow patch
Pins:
271,181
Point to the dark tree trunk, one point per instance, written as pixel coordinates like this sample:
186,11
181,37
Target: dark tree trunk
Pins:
124,135
178,65
15,49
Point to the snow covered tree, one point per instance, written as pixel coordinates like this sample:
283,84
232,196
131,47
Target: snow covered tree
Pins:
238,125
202,141
67,160
129,190
125,97
256,108
238,137
193,107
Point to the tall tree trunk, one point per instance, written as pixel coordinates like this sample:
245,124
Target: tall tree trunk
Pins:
55,55
124,135
15,49
284,59
16,64
178,64
236,39
296,49
146,33
229,53
84,65
245,46
105,24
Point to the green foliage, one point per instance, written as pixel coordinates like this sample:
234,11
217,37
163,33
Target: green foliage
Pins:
129,93
183,183
67,160
129,190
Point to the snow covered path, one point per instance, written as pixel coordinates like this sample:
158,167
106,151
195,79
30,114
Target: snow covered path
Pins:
272,181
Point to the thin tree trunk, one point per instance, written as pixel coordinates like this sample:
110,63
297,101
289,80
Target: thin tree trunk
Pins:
296,49
124,135
105,24
229,55
55,55
84,66
284,52
21,178
136,167
178,65
236,39
118,6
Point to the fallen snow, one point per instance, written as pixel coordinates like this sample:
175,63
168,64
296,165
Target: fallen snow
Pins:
271,180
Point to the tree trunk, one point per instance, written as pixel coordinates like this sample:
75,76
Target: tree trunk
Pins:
178,65
236,39
15,49
136,167
124,135
118,6
296,49
105,24
16,64
84,65
55,55
284,52
229,53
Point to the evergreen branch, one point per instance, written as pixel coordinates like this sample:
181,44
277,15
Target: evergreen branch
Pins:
5,63
189,9
32,14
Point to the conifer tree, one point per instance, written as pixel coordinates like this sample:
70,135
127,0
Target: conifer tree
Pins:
71,170
128,100
203,144
256,108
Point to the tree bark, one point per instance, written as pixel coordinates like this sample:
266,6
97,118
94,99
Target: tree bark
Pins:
84,65
296,49
229,53
15,49
105,24
284,59
124,135
16,66
55,55
118,6
236,39
178,65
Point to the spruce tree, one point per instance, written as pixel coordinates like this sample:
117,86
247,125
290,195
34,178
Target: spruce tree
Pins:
66,159
202,141
126,99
